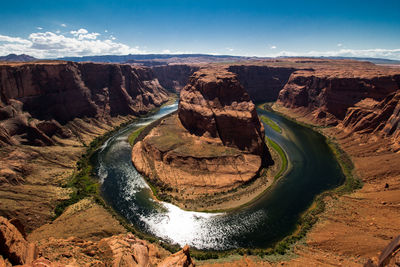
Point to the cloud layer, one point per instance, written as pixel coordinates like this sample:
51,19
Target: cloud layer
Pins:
55,44
81,42
376,53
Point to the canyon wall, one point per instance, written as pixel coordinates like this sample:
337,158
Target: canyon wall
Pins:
38,99
262,83
174,77
329,94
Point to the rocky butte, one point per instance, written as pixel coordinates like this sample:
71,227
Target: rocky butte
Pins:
214,143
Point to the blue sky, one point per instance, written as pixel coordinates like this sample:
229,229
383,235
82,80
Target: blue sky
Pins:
252,28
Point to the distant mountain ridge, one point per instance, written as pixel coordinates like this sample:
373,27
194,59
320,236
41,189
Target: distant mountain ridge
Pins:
164,59
14,57
154,59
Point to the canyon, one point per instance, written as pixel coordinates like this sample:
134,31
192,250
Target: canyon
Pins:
50,111
215,141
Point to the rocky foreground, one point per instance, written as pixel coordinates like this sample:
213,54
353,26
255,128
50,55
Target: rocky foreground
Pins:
214,143
117,251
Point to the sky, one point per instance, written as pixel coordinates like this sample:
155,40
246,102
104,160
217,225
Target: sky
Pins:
58,28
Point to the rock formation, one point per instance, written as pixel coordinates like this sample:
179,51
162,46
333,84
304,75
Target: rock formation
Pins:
13,246
262,83
174,77
215,104
117,251
328,94
181,258
50,111
38,98
214,143
369,116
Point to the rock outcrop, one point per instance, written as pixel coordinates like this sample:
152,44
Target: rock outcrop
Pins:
214,144
181,258
215,104
174,77
370,116
38,98
328,94
117,251
13,246
262,83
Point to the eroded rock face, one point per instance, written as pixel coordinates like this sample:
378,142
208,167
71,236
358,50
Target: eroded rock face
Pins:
13,245
181,258
331,93
378,117
262,83
215,104
174,77
38,98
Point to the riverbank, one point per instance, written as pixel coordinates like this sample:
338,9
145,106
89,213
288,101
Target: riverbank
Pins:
220,201
348,226
262,252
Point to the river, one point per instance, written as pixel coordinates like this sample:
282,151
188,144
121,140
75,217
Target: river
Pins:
273,216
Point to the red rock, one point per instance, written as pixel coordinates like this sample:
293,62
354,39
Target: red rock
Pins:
38,98
180,259
262,83
13,245
124,250
215,104
333,92
174,77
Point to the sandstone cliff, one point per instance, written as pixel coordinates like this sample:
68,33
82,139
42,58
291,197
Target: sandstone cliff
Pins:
328,94
50,111
362,100
215,104
174,77
38,98
214,144
262,83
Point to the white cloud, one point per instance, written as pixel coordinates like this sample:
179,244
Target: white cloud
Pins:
112,37
78,32
230,49
74,43
166,51
339,44
4,38
84,34
58,31
375,52
272,47
105,30
39,28
63,25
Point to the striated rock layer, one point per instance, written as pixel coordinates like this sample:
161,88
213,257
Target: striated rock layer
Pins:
214,104
262,83
50,111
328,94
174,77
215,142
38,98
